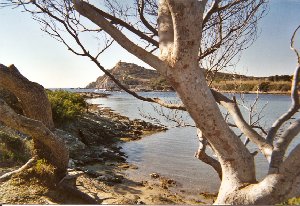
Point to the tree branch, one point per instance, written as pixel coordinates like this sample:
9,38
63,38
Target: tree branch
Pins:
115,20
294,96
201,155
293,42
86,53
212,10
94,14
141,6
281,146
240,122
32,96
165,30
26,166
39,132
181,20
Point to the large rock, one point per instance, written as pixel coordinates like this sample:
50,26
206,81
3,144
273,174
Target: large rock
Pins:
11,100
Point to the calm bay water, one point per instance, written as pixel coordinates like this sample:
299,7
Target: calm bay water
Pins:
171,153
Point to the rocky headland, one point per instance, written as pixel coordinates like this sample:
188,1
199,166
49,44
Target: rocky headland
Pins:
133,77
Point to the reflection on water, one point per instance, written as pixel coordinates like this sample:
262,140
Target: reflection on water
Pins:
171,153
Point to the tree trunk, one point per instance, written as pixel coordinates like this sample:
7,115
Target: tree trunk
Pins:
31,95
180,32
185,76
37,120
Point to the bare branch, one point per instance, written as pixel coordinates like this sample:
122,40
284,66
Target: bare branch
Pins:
141,7
95,15
35,105
293,42
26,166
204,157
281,146
115,20
84,52
293,109
175,116
108,44
213,8
249,132
165,30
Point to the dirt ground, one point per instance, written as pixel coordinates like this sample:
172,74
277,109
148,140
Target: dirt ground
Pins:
108,185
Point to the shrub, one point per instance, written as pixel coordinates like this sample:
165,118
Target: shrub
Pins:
65,105
227,87
264,86
285,87
292,201
42,173
43,168
246,87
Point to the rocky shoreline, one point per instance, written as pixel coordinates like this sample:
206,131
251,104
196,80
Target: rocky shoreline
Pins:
95,136
91,95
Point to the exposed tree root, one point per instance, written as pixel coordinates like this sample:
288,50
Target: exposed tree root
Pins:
68,185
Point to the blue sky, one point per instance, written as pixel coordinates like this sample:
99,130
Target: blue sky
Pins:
44,60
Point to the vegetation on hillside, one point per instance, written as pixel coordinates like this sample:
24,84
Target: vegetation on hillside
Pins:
252,85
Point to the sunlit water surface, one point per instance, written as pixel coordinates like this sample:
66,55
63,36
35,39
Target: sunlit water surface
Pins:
171,153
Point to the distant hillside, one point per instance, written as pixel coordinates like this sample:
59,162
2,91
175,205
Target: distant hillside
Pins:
141,79
133,77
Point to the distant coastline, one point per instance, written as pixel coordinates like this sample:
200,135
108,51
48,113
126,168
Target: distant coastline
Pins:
95,93
140,79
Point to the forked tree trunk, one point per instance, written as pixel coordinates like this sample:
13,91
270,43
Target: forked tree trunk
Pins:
180,33
37,121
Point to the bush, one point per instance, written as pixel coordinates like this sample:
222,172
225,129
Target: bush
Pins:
264,86
227,87
283,87
42,173
292,201
247,87
65,105
43,168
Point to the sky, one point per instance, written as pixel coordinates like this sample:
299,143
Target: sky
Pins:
44,60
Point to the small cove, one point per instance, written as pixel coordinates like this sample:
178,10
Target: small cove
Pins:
171,153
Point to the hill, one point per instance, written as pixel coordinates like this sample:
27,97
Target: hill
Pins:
138,78
133,77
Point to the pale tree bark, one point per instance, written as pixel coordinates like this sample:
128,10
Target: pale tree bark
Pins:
37,120
204,157
180,33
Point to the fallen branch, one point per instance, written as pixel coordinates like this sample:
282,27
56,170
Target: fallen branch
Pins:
26,166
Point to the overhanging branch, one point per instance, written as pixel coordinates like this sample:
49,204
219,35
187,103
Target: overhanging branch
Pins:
93,14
